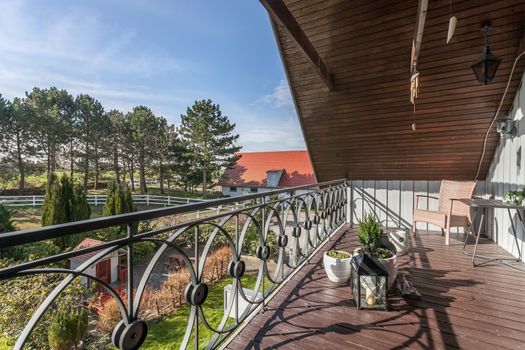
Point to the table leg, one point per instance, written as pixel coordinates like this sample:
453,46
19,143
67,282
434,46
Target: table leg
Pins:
470,229
514,230
478,234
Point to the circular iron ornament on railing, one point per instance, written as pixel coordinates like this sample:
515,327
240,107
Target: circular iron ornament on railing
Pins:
237,268
129,336
263,252
296,232
282,241
196,294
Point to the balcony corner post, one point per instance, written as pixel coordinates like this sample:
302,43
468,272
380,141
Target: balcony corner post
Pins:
349,199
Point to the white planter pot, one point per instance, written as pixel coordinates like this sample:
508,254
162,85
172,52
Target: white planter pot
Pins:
399,239
390,265
337,270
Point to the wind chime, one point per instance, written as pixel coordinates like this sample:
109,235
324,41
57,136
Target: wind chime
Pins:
416,46
414,92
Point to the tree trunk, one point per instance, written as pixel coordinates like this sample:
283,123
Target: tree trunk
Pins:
131,172
86,170
143,187
20,161
48,161
204,184
124,170
95,185
86,165
52,160
71,160
115,164
161,178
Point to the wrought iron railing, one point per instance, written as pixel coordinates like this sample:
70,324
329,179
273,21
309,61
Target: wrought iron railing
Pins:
269,238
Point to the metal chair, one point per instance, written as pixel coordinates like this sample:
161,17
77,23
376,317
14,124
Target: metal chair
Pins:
449,213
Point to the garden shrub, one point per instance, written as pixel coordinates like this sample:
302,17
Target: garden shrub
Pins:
68,327
6,221
109,316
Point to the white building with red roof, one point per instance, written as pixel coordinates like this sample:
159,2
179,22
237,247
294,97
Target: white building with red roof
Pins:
105,268
258,172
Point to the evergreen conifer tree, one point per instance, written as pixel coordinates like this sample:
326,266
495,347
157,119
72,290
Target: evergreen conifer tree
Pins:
208,139
64,202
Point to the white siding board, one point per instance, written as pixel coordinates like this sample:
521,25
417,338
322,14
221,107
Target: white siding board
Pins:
504,175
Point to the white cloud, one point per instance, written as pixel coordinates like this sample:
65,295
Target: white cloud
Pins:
280,97
76,50
263,130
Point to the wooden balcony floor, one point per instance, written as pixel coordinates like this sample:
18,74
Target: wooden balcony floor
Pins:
460,307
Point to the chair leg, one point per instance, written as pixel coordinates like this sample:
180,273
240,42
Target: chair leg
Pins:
447,236
442,231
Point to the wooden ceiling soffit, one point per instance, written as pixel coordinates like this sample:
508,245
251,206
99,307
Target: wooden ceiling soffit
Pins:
282,16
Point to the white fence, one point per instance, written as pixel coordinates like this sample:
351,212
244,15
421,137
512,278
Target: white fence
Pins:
96,199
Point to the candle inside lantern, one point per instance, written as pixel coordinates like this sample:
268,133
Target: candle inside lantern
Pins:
370,296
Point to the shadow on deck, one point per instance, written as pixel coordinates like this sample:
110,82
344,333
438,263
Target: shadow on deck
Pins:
460,307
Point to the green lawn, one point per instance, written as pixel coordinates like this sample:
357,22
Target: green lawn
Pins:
167,333
29,217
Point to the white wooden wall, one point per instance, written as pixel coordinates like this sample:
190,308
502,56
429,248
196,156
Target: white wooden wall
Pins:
392,202
506,175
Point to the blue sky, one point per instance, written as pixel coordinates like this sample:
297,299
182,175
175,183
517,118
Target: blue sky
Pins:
162,54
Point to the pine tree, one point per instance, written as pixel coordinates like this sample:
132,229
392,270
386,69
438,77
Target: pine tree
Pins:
79,203
144,128
208,139
119,199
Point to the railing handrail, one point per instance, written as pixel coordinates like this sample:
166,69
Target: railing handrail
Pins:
15,238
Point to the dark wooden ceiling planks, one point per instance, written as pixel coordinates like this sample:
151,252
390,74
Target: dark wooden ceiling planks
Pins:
362,129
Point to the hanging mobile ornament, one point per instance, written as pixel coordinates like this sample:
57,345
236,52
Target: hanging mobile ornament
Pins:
451,24
414,92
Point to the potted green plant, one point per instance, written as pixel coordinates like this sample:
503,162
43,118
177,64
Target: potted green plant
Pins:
337,265
515,197
371,237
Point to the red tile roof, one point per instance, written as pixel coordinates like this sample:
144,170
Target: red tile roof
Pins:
252,167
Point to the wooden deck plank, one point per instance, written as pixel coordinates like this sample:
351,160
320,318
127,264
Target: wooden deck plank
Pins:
460,307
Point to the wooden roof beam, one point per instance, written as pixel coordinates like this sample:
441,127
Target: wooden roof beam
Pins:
418,35
282,16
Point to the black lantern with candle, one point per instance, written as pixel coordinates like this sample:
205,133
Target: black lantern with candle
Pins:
369,282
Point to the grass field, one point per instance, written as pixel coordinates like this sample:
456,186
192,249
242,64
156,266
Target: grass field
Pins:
38,182
167,332
26,218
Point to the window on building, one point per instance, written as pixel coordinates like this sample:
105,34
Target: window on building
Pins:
233,189
253,189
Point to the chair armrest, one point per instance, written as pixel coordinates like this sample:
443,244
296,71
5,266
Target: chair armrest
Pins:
423,195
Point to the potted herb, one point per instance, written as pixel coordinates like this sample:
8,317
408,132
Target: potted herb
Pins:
372,240
337,265
515,197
